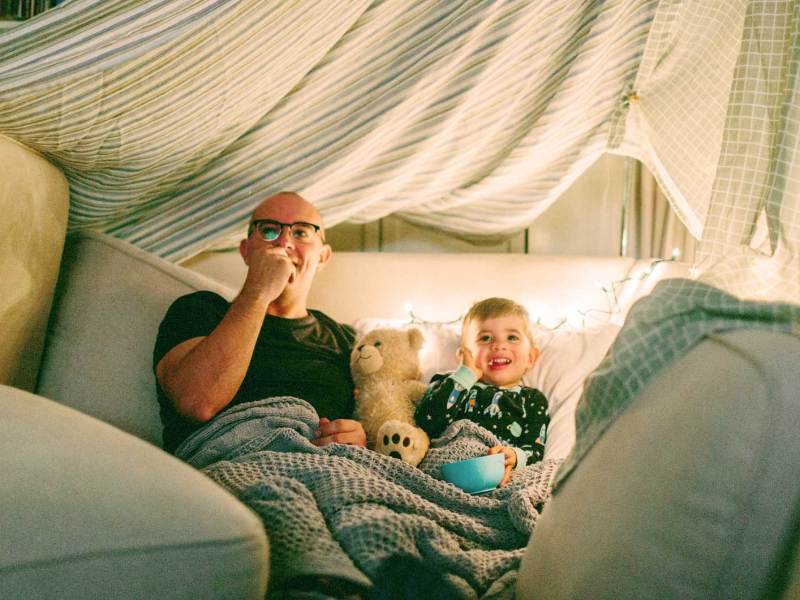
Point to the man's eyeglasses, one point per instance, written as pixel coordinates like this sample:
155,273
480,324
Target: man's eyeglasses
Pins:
270,230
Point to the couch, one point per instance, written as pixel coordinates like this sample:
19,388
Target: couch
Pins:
694,492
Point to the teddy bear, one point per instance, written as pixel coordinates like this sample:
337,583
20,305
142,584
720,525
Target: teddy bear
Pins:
385,368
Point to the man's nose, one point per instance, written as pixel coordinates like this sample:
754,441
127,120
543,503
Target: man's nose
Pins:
284,239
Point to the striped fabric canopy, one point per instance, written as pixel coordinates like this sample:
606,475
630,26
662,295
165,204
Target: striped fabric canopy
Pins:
173,118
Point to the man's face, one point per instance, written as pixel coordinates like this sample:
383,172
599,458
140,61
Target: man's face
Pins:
501,348
307,253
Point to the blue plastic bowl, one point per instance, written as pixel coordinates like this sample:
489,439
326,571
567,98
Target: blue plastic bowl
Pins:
476,475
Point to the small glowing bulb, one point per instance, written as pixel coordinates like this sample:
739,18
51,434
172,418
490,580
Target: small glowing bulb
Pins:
408,307
676,253
694,272
648,270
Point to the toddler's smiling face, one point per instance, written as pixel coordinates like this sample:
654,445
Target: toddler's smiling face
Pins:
502,349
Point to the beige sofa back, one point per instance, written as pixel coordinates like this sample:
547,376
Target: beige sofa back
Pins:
34,198
110,299
439,287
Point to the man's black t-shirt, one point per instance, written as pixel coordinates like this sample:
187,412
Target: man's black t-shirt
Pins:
308,358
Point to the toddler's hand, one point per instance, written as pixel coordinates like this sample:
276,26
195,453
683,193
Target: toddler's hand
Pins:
466,358
511,461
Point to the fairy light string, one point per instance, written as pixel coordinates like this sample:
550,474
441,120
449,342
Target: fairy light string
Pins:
611,290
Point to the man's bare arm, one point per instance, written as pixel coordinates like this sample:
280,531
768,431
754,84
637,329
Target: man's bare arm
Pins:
202,375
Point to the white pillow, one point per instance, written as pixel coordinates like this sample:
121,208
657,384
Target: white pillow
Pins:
567,358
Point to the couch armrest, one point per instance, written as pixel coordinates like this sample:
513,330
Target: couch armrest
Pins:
693,492
92,512
34,199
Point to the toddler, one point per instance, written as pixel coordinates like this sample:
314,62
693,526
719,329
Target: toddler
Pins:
496,350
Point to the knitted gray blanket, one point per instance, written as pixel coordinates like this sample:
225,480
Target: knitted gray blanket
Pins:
342,511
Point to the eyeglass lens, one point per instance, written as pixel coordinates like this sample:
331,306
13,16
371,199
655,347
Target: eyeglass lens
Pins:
271,230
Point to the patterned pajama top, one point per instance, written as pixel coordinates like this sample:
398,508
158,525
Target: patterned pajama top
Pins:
517,415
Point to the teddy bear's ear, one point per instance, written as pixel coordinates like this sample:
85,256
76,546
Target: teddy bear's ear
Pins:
415,338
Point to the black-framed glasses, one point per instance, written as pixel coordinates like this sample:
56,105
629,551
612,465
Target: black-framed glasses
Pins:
270,230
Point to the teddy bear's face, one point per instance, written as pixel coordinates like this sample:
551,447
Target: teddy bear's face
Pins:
392,352
366,357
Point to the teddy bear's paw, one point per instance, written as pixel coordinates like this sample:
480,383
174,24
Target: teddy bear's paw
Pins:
402,440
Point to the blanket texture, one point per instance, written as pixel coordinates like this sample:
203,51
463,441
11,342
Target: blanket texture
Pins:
660,328
345,512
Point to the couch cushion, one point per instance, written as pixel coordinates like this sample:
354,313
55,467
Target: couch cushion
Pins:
33,203
92,512
110,299
693,492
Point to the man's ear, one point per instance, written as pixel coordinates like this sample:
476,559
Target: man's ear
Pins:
243,251
324,256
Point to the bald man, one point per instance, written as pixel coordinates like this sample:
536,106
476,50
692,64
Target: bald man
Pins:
211,354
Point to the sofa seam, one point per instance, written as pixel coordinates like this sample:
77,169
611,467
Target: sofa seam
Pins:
142,550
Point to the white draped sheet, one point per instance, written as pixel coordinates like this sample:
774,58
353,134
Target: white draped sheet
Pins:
173,118
716,119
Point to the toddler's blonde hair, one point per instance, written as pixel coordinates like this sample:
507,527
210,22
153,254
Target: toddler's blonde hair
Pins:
491,308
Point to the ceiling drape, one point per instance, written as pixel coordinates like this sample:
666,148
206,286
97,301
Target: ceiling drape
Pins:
172,119
715,115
